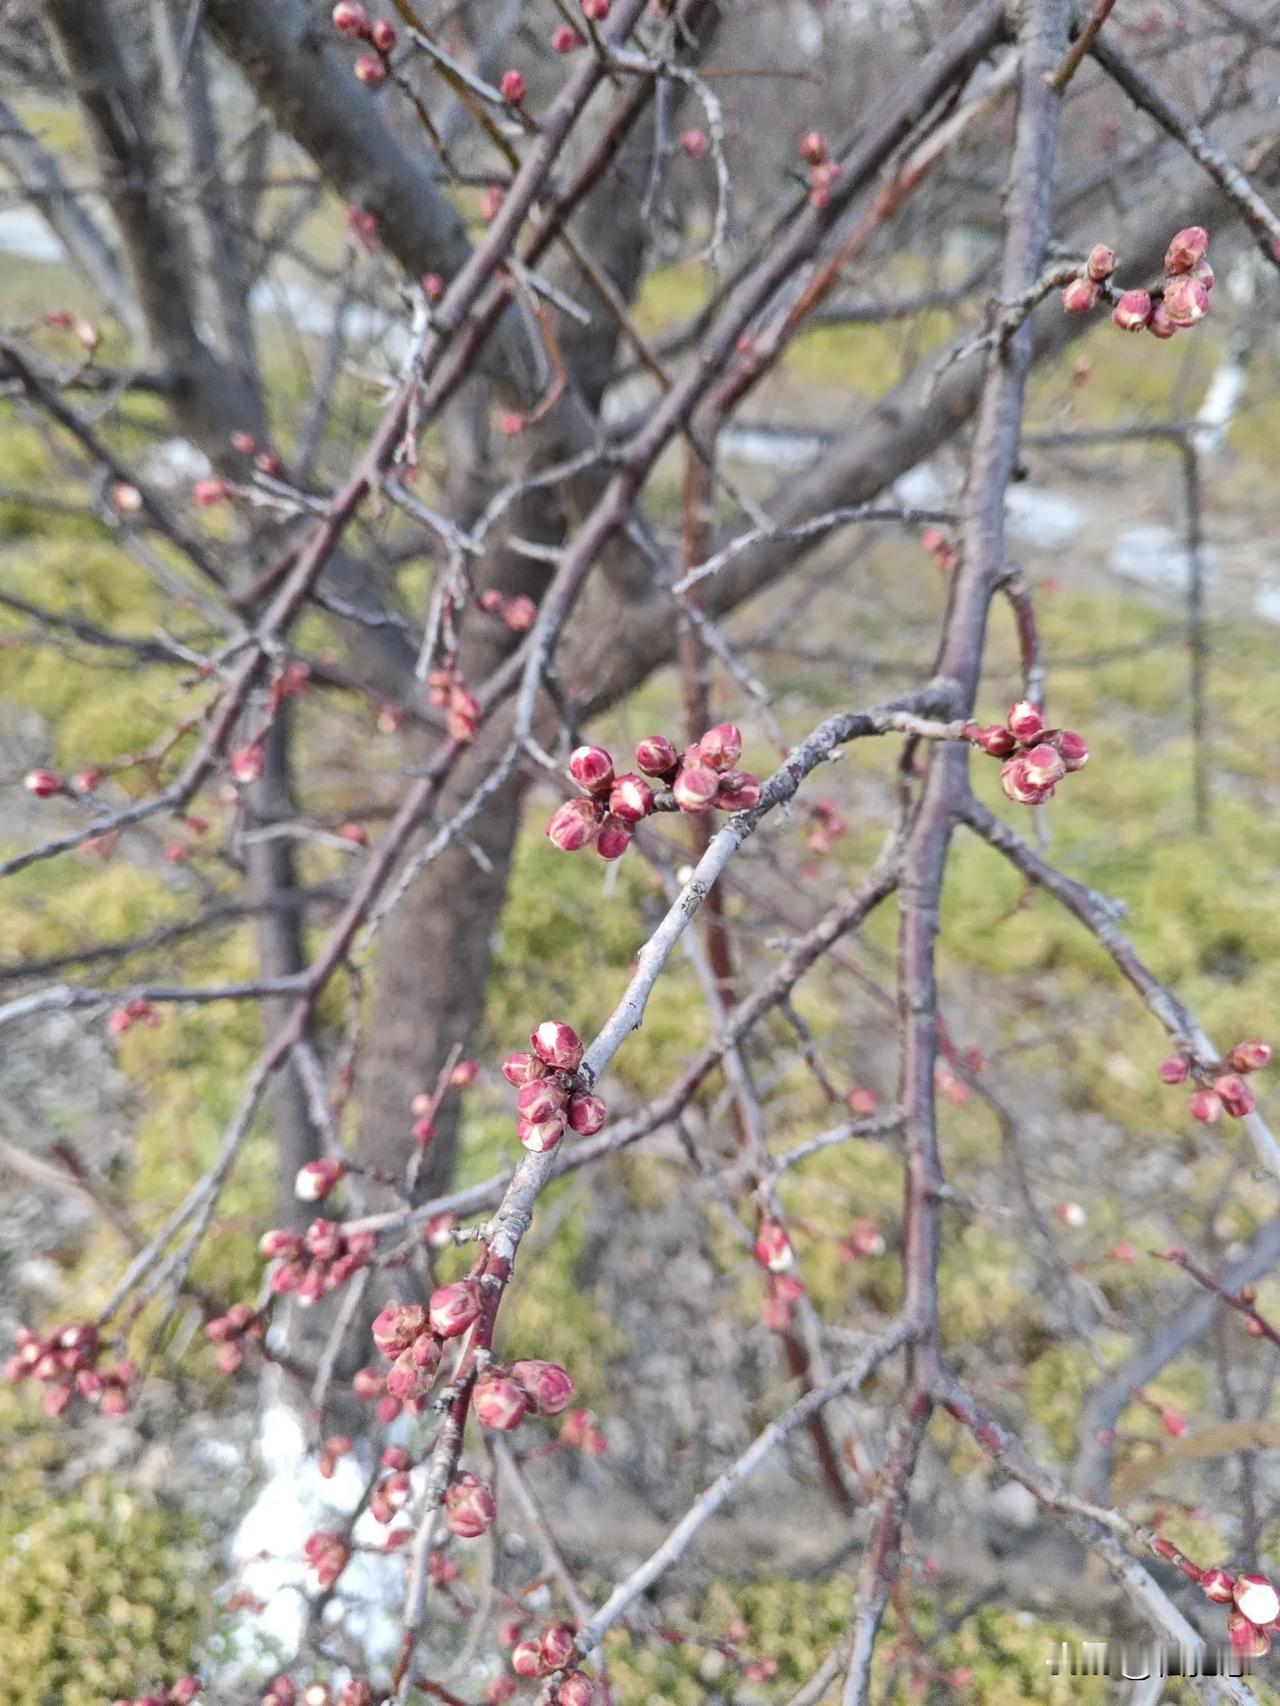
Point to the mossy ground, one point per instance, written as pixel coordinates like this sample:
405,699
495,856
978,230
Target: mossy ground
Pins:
1124,825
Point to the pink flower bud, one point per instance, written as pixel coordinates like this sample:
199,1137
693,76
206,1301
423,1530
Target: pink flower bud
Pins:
1185,301
592,768
453,1308
43,784
317,1179
694,143
520,614
368,1383
566,39
1204,274
1043,766
1173,1421
383,35
541,1100
464,1074
1206,1107
349,19
540,1139
575,1690
656,755
1071,748
558,1646
1133,311
773,1247
423,1130
1187,249
210,491
586,1115
813,148
545,1384
614,838
1237,1097
1026,721
499,1404
230,1358
596,10
696,787
1250,1056
862,1103
1080,296
558,1045
739,792
371,70
1218,1585
526,1658
185,1690
522,1068
468,1507
1256,1599
1101,262
513,86
464,714
247,763
996,740
1174,1070
1018,786
1161,326
721,746
1246,1637
1071,1214
631,798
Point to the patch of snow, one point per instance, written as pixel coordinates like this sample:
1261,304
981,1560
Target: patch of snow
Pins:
1157,556
1043,518
24,233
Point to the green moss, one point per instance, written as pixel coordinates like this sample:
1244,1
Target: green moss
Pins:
99,1581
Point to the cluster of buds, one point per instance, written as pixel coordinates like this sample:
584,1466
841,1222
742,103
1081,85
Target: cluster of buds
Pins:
1036,758
1221,1089
392,1493
503,1397
783,1286
229,1332
284,1691
519,613
1255,1608
823,170
66,1363
557,1650
698,780
412,1340
180,1693
1181,301
469,1507
139,1011
317,1261
327,1556
447,691
550,1094
350,19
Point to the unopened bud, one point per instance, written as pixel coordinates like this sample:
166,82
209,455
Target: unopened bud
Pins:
1174,1070
558,1646
813,147
1187,249
1186,301
526,1658
1080,296
1250,1056
1101,262
546,1385
1218,1585
1206,1107
773,1248
585,1115
631,799
1237,1097
317,1178
591,768
1043,766
371,70
453,1308
721,746
499,1404
468,1507
739,792
696,787
349,19
383,35
574,825
1133,311
1025,721
558,1045
513,87
656,755
44,784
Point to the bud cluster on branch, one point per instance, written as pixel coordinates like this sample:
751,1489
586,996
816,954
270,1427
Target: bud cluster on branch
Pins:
700,779
67,1363
551,1097
1218,1091
1181,301
1036,757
